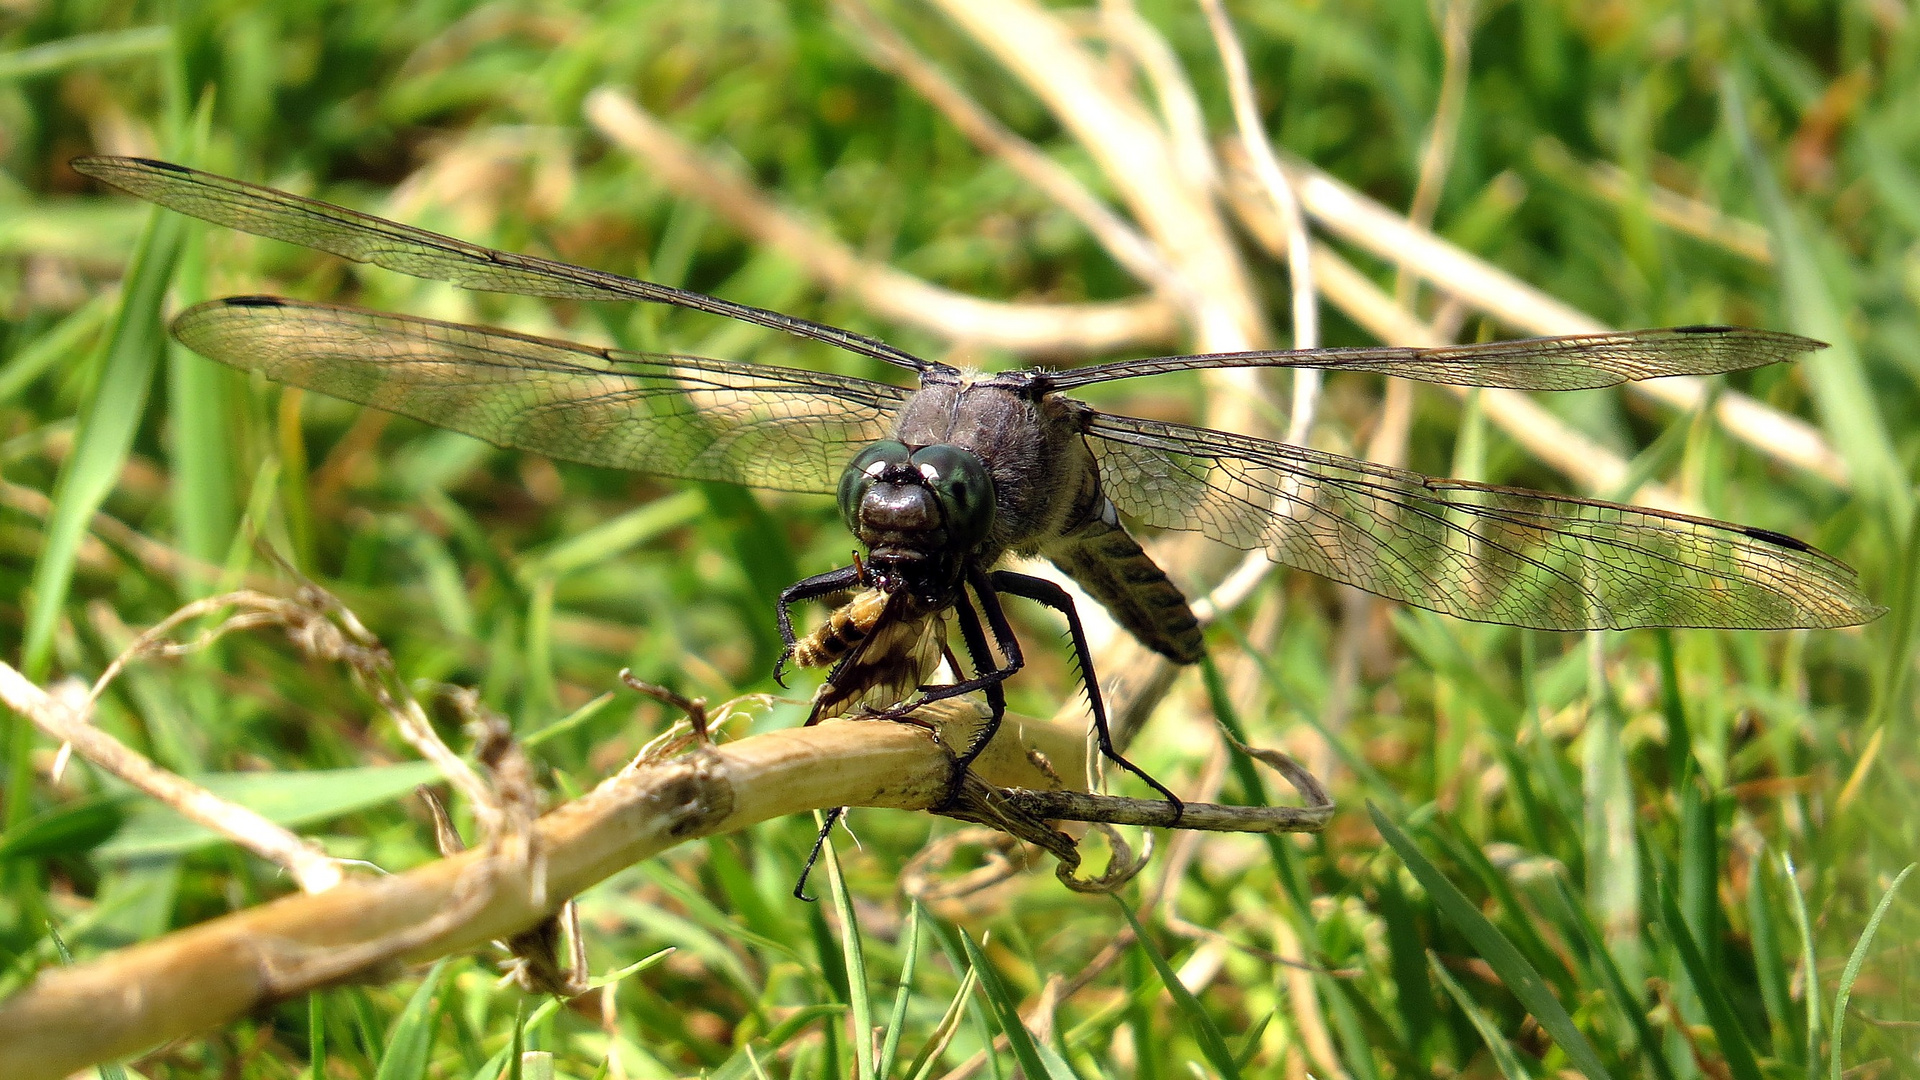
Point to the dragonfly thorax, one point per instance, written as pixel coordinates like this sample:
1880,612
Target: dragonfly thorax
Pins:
920,513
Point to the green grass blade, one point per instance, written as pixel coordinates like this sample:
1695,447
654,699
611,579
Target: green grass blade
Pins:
1493,947
204,491
1848,406
1735,1048
1852,971
1808,963
1497,1044
613,538
855,958
909,963
57,345
106,429
1007,1011
1899,629
292,799
53,56
411,1041
1212,1043
316,1036
70,828
923,1062
1770,966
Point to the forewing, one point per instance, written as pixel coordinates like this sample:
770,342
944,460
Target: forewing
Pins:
679,416
1578,362
403,248
1489,554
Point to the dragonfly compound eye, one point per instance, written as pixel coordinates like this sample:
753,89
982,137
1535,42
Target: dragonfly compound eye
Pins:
862,471
964,488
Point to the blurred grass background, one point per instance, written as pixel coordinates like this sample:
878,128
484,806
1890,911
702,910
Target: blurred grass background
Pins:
1684,833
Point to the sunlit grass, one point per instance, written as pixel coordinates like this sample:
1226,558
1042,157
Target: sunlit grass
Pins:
1679,839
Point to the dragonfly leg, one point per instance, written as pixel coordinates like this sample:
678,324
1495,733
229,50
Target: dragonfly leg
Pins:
826,830
819,585
1042,591
976,641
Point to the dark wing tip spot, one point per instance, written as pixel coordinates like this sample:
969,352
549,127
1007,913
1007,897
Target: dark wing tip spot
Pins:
1780,539
254,301
1705,328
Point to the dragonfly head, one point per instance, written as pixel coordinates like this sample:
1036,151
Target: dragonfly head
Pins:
919,512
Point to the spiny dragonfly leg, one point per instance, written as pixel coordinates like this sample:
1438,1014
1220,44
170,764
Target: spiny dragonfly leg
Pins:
800,887
819,585
1042,591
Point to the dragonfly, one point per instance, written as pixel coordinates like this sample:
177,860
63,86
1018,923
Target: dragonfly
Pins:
942,480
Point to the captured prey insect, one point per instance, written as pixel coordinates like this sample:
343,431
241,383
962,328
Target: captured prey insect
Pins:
938,482
876,656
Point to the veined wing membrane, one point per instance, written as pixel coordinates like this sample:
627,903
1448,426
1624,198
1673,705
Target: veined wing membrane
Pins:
677,416
1577,362
1473,551
368,239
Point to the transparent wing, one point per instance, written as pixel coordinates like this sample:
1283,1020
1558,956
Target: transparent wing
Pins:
1474,551
368,239
679,416
1579,362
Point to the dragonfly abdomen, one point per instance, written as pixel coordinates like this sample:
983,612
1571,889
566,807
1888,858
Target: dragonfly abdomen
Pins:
1102,559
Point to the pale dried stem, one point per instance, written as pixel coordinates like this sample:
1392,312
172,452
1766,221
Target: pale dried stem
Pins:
1180,113
1591,467
309,867
1131,149
106,533
1055,329
1304,1001
210,974
1388,445
1677,211
892,52
1436,156
354,644
1299,260
1479,284
1266,168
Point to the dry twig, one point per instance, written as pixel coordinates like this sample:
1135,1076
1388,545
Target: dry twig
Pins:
209,974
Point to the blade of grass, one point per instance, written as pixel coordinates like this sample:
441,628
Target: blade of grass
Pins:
1493,947
105,433
612,538
1899,630
909,962
1808,964
1848,406
1735,1048
1629,1004
1212,1043
103,437
855,958
923,1062
1497,1044
1007,1011
57,345
411,1041
316,1036
205,507
52,56
1852,971
1770,966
